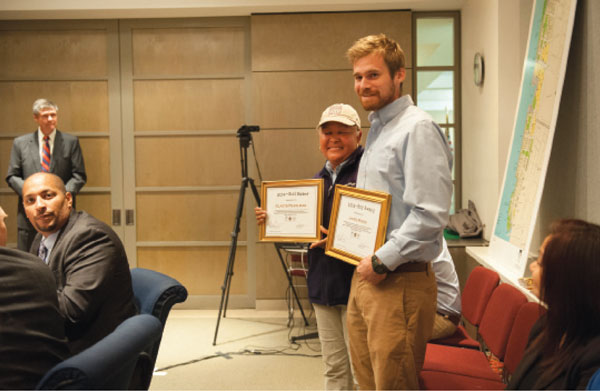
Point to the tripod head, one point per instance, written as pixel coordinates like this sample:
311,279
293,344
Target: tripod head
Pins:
243,133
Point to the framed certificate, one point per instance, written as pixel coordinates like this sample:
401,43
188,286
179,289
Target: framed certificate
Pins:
294,210
358,223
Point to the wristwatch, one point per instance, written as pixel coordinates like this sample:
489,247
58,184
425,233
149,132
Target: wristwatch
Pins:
378,266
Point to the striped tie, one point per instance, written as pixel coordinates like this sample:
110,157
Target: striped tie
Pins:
46,155
43,252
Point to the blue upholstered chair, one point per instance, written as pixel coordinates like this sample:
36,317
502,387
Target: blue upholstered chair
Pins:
112,362
155,294
594,383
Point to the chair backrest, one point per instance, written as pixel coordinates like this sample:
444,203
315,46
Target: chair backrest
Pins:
111,362
477,292
155,294
499,317
528,314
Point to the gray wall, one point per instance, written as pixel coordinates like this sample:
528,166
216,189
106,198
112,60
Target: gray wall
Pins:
573,182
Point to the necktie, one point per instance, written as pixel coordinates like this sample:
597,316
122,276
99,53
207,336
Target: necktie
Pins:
46,155
43,253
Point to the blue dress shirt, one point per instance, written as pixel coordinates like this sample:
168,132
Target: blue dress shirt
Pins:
407,156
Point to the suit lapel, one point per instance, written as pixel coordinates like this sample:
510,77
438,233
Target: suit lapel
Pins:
33,149
35,245
57,248
58,147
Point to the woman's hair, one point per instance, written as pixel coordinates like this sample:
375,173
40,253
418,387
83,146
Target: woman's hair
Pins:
569,286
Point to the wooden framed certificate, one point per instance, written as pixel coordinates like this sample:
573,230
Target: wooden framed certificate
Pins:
358,223
294,210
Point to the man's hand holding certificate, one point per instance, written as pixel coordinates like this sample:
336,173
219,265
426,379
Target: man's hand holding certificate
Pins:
358,223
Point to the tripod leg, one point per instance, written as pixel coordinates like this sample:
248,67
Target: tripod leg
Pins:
229,272
290,282
254,191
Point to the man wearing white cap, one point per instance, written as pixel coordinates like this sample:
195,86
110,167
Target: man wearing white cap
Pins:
328,278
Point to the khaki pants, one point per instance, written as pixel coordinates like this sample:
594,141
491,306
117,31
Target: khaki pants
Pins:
333,334
442,327
389,325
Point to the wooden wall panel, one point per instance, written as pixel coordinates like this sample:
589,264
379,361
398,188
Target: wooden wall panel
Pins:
82,105
53,53
98,205
188,51
5,147
192,161
288,154
96,155
200,269
298,42
188,104
297,99
189,78
174,216
8,202
271,279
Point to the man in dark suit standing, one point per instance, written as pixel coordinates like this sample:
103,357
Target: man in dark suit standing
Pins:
32,330
87,258
47,150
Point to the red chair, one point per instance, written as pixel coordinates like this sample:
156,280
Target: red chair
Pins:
517,342
526,317
475,296
451,367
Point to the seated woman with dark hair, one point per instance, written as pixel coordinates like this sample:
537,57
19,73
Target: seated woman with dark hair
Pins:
563,351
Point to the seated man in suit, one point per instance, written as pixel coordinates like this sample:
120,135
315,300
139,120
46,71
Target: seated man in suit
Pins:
32,332
87,258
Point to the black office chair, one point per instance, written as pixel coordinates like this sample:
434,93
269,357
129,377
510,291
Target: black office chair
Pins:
155,294
112,362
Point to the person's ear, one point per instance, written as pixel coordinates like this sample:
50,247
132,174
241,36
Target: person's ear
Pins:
69,198
400,75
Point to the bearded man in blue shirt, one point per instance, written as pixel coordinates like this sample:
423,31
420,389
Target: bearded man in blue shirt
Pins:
393,293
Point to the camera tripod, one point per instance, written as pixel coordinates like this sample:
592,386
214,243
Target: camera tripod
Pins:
245,138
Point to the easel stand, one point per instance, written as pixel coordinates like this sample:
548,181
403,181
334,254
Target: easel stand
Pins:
245,138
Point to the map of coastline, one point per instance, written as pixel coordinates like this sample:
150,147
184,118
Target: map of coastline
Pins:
534,124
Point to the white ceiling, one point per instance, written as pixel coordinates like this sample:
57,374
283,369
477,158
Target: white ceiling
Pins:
123,9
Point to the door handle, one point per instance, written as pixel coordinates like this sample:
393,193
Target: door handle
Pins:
116,217
129,217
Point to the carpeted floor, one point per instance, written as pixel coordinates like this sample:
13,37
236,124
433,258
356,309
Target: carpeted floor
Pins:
253,352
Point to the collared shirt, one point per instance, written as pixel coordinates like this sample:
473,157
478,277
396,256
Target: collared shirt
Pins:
333,172
49,244
41,142
407,156
448,287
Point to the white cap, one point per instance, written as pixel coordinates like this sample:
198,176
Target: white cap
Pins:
341,113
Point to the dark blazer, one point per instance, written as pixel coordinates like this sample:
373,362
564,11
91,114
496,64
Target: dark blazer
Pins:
576,376
66,162
32,333
93,279
329,278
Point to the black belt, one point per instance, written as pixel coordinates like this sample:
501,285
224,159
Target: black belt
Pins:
452,318
411,267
